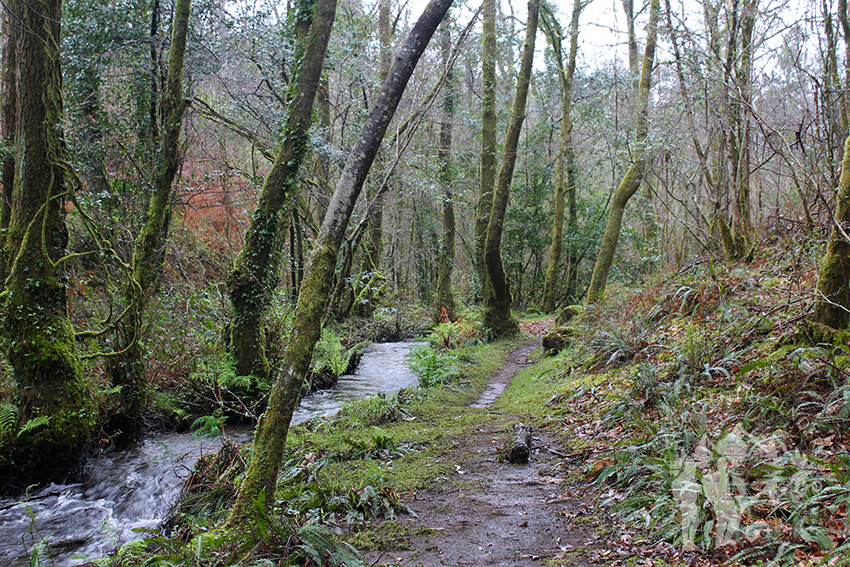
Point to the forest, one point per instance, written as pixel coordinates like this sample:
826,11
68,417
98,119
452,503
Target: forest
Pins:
632,217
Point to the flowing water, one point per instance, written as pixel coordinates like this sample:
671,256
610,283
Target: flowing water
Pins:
127,494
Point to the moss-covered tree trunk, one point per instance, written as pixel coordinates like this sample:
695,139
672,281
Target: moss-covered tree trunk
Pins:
371,279
256,273
634,175
37,334
270,436
565,167
8,116
445,303
832,306
487,183
497,294
742,228
127,368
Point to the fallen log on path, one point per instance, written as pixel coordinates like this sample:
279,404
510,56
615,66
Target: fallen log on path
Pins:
517,448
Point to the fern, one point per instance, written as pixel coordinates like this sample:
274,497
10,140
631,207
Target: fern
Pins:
40,554
231,380
838,557
8,418
209,425
320,544
34,423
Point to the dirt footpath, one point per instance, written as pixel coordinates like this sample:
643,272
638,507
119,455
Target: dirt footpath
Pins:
505,514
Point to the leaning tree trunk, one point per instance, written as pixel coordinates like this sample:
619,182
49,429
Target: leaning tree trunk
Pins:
445,304
55,411
497,294
565,168
270,436
256,273
634,176
488,136
127,369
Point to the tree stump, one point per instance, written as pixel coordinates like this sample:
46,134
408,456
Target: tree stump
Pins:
517,448
558,339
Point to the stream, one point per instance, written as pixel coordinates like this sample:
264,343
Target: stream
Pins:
126,494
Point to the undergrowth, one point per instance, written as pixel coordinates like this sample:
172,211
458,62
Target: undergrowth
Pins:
723,431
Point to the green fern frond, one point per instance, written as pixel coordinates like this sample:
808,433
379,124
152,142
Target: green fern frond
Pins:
8,418
320,544
231,380
838,557
34,423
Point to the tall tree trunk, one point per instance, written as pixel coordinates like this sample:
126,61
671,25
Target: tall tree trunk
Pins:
488,136
323,162
565,168
634,176
151,136
372,277
742,230
631,39
844,20
497,295
127,368
445,303
8,117
38,335
256,274
271,432
832,304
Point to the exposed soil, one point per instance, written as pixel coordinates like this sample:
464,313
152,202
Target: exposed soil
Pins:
496,513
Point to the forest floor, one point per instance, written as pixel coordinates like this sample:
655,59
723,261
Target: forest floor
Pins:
497,513
688,422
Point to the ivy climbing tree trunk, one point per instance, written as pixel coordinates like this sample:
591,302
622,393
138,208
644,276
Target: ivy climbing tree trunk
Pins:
488,136
445,304
256,273
497,294
55,411
635,174
127,368
272,429
565,167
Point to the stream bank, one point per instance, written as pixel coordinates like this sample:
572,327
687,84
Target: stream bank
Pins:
125,495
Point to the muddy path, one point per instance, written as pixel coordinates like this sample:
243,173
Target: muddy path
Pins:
496,513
